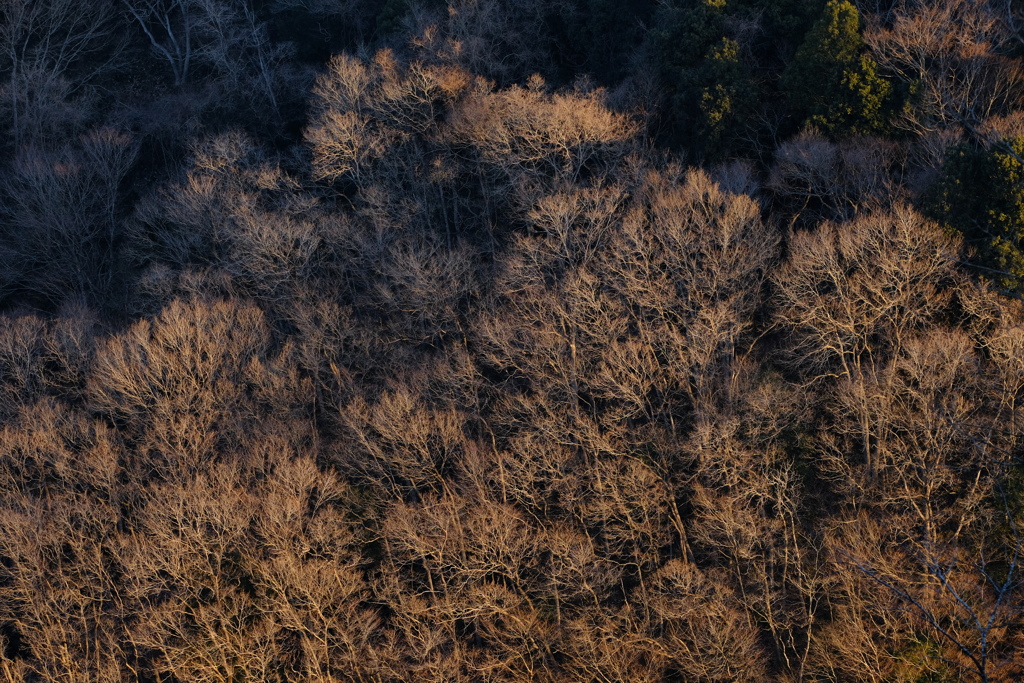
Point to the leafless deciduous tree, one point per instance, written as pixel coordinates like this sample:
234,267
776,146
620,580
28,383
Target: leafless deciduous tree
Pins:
188,384
854,292
500,40
169,25
954,53
363,110
41,43
528,134
921,435
817,179
220,34
472,386
62,211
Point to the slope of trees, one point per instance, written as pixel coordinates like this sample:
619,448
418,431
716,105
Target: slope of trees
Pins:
511,341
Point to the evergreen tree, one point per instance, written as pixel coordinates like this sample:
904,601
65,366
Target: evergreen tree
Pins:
726,95
832,82
685,33
981,196
601,34
709,84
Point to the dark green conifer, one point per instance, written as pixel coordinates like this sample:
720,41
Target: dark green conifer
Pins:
832,82
980,195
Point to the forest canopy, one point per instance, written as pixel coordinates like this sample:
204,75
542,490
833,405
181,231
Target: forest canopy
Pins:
511,340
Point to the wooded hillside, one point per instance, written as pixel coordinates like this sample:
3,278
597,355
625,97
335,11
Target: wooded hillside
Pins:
581,341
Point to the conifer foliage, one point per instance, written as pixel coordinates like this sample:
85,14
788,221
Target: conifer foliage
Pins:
833,82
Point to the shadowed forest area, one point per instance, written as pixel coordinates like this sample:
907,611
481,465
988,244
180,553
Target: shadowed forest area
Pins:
583,341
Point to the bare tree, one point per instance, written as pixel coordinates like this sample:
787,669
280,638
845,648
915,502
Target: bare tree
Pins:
62,211
706,637
955,51
814,178
170,26
176,383
918,442
59,538
526,135
220,34
501,40
52,49
853,292
41,357
366,112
